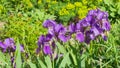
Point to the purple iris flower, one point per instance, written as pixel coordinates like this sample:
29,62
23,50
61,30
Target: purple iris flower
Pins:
92,12
72,28
80,37
106,25
100,15
9,45
60,33
58,27
41,40
84,23
2,45
79,27
62,30
47,49
48,37
63,37
89,36
38,50
51,31
95,31
53,44
9,42
88,18
104,37
49,23
22,48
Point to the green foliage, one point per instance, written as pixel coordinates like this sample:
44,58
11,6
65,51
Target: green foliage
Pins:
113,8
27,27
18,55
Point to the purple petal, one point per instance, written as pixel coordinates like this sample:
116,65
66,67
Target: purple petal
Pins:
104,37
72,27
49,23
41,40
2,45
47,49
21,48
84,23
37,50
89,35
91,12
88,18
100,15
95,31
106,25
9,42
53,44
51,31
80,37
48,37
62,37
58,27
79,28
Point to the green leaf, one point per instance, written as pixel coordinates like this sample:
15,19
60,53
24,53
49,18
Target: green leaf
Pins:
108,2
73,57
61,48
112,9
83,57
41,63
103,8
112,14
108,49
119,11
18,55
65,61
48,62
2,59
31,64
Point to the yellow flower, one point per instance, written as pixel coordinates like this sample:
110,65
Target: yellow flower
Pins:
89,9
54,2
63,12
84,2
70,6
78,4
82,13
84,7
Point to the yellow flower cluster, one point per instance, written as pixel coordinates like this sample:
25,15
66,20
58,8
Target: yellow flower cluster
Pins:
70,6
80,8
84,2
82,13
63,12
78,4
